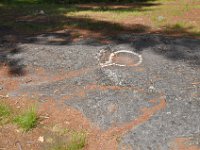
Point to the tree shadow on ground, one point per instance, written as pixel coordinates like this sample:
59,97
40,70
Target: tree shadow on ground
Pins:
173,48
81,28
8,50
171,43
117,7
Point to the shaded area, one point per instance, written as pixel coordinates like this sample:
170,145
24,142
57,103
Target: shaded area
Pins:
35,23
71,1
9,49
176,49
37,19
51,25
117,7
138,36
44,18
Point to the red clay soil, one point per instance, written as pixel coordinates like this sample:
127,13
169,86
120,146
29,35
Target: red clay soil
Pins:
183,144
53,113
71,119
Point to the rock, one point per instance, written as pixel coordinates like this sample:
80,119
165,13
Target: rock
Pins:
1,87
41,139
41,12
151,89
161,18
67,122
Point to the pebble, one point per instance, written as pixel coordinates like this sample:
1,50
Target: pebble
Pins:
41,139
161,18
151,89
41,12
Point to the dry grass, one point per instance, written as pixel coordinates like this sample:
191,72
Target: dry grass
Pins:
77,142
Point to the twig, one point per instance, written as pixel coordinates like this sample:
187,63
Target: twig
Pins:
45,117
18,145
195,83
29,81
4,96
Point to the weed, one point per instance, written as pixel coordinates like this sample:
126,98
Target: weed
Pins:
27,120
197,34
5,113
178,26
77,142
59,147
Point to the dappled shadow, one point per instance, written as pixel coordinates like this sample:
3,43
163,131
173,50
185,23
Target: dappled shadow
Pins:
179,30
51,39
172,42
105,27
117,7
75,29
138,36
174,48
8,56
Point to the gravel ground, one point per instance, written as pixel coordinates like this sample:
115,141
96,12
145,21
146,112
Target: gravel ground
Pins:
110,96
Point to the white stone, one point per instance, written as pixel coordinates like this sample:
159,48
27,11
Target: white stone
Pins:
41,139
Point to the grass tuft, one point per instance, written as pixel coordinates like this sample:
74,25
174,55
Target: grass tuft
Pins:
59,147
5,112
27,120
77,142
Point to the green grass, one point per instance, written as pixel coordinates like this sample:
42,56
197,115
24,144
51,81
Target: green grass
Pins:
197,34
5,112
59,147
77,142
177,27
27,120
